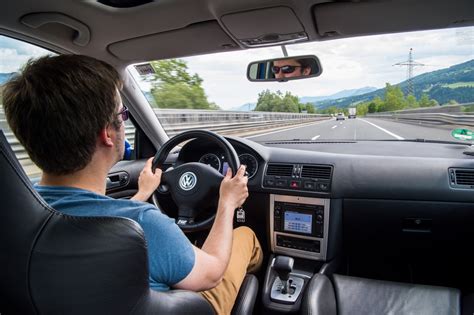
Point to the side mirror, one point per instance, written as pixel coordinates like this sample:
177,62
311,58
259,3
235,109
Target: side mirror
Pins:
284,69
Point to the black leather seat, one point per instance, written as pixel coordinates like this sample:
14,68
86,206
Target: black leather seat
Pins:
51,263
351,295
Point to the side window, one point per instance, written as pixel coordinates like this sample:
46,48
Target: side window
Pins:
13,55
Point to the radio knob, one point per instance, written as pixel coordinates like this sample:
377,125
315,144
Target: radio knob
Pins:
319,218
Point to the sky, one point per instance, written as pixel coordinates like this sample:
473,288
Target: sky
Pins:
14,53
347,63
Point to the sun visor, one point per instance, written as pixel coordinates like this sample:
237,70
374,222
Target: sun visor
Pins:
366,18
265,27
199,38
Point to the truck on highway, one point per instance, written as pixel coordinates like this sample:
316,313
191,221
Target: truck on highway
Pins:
352,112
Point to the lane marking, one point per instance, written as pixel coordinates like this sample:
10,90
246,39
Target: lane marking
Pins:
333,127
315,137
283,130
384,130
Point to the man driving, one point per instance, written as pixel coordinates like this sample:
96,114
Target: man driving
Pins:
290,68
68,114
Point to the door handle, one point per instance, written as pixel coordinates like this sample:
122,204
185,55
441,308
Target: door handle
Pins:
119,179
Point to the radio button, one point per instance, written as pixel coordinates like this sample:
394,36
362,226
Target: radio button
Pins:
323,187
269,182
281,183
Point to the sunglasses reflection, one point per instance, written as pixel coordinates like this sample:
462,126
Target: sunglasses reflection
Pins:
287,68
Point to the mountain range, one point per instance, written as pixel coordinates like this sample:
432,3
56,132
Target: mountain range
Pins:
340,94
453,83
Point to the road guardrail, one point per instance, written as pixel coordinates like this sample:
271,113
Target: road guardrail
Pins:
175,121
454,115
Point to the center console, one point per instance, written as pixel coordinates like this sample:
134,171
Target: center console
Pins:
299,232
299,226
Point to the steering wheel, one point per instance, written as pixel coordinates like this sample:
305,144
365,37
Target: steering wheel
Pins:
193,184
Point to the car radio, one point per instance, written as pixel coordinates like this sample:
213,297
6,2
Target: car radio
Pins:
299,226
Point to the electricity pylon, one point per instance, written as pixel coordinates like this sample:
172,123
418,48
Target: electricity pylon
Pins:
410,63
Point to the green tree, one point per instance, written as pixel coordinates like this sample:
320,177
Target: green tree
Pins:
173,71
411,101
266,99
376,105
372,107
181,96
278,102
310,108
394,98
174,87
362,109
425,100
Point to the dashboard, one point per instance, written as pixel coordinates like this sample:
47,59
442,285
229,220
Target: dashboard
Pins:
364,169
382,205
364,200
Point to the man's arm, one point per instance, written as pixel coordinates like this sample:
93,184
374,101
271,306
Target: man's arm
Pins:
211,261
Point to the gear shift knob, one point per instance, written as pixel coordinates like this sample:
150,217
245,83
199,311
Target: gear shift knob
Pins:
283,265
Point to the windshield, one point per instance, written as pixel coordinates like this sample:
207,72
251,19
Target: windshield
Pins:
417,85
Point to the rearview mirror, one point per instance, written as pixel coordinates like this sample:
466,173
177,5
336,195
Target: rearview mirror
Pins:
284,69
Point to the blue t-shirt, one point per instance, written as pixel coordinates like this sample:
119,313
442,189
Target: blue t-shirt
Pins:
170,254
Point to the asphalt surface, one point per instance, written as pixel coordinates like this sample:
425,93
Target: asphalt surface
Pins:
359,129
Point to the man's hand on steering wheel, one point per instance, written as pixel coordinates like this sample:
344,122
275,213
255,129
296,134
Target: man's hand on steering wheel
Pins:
233,190
148,182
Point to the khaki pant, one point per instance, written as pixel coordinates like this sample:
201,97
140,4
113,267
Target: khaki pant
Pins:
246,257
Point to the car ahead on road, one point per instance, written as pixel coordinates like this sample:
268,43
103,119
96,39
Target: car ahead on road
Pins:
340,116
378,213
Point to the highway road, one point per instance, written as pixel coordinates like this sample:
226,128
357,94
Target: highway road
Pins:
359,129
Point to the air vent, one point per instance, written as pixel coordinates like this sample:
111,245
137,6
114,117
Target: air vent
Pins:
461,178
313,171
280,169
465,177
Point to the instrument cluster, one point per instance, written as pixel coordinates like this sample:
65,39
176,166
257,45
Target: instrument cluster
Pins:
218,162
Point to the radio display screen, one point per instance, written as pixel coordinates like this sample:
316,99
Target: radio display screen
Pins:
298,222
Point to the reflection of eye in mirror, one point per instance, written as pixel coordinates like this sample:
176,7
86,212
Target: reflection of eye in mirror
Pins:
284,69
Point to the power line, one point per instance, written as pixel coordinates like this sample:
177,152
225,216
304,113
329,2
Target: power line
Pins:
410,64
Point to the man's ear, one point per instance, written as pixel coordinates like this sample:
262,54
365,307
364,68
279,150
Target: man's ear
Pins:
105,136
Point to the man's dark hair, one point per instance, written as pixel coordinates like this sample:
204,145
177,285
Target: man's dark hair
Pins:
305,63
57,107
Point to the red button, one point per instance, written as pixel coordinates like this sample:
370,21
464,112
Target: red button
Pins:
294,184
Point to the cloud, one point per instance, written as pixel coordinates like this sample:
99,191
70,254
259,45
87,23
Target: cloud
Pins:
347,64
14,53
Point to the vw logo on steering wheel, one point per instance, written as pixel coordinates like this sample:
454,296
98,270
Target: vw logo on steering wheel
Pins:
187,181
